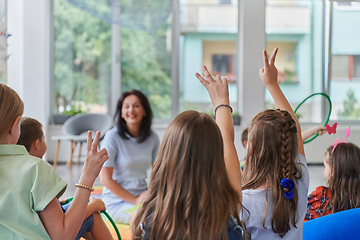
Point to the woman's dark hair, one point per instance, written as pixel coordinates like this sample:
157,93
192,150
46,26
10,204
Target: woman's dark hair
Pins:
145,128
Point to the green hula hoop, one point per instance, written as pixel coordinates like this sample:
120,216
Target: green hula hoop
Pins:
328,117
108,217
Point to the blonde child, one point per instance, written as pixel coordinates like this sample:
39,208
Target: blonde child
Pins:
30,187
190,195
33,139
342,172
276,179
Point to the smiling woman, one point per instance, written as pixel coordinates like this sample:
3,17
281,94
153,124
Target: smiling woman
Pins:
132,147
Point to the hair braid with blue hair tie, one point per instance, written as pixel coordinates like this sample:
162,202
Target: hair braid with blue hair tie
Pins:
286,183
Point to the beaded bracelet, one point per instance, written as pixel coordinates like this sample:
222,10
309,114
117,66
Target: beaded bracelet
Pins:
223,105
84,186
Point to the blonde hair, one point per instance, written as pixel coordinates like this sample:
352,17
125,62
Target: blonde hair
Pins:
11,107
189,196
271,157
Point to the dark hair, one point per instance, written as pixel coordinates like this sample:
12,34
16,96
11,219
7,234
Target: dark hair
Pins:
145,128
30,131
344,183
273,143
244,135
189,196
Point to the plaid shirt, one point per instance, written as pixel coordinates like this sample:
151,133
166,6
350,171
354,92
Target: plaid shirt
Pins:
316,203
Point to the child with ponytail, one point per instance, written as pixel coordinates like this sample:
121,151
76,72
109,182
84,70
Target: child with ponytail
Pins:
276,179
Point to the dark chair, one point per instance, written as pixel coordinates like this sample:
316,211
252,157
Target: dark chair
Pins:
75,130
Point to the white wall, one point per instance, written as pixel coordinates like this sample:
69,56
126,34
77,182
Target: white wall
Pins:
29,49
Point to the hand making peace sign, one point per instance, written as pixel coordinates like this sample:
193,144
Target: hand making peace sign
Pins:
269,72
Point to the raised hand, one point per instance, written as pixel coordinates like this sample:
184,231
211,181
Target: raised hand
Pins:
269,72
219,94
217,88
94,159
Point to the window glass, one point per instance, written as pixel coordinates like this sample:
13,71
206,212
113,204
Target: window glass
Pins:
295,27
210,42
82,53
345,62
82,61
146,49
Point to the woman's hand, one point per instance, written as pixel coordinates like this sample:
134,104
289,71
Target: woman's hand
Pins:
94,160
140,199
217,88
269,72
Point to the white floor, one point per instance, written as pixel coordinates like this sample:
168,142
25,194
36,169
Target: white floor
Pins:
71,177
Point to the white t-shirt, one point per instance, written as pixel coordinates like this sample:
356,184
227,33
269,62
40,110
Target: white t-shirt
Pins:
255,202
130,161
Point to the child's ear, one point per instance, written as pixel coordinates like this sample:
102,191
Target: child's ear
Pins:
14,126
36,144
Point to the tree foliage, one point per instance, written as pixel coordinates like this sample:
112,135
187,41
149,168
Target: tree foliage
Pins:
82,53
350,109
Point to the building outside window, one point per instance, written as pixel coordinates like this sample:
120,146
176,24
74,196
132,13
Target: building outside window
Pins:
209,41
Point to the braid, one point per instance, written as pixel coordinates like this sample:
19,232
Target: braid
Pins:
289,126
274,137
285,154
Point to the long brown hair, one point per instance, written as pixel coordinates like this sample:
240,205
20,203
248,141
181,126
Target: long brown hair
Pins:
344,183
270,158
189,196
11,107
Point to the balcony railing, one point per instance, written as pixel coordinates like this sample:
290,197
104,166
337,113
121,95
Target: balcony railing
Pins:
200,17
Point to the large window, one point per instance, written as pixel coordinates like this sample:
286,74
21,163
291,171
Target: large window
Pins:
304,39
82,60
295,28
83,36
209,41
146,47
345,61
151,34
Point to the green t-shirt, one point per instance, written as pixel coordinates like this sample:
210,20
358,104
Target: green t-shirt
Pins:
27,185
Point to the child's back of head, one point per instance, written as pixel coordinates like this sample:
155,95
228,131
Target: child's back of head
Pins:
11,107
32,136
344,182
189,194
271,153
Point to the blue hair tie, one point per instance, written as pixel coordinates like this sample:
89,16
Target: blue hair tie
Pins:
288,184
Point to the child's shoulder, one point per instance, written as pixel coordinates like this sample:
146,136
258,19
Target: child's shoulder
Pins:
319,191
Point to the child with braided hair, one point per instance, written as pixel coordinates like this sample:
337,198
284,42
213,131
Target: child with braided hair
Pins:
275,178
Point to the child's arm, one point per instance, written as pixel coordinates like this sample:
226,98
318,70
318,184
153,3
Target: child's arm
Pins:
312,131
219,94
65,226
268,75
